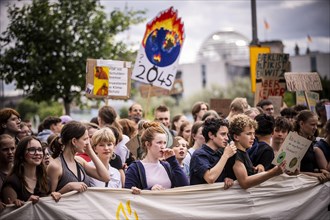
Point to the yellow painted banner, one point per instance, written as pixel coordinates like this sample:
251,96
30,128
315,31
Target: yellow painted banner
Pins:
254,52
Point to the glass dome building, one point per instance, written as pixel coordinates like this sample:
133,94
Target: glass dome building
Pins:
224,45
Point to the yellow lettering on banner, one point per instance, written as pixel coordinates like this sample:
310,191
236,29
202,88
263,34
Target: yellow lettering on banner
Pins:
121,211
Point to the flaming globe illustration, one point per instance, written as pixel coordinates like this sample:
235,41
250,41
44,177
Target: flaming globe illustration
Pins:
163,38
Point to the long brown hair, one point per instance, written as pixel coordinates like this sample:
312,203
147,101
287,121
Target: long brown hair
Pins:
19,169
72,129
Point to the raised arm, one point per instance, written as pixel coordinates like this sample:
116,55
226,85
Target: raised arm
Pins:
98,171
246,181
213,174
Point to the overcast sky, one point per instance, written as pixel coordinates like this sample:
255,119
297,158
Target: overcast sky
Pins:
289,20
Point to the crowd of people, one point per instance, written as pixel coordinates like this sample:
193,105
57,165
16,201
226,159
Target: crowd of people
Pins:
70,155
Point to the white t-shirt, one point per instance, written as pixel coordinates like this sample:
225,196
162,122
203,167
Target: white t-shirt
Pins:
121,149
115,178
156,174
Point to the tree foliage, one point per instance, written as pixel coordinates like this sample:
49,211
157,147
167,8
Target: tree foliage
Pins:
46,44
29,109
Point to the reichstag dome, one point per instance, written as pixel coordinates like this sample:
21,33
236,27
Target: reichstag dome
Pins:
224,46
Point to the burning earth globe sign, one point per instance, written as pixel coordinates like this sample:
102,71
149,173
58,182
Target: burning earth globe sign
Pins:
158,57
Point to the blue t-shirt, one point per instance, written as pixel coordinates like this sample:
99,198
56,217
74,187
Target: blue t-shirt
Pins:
204,159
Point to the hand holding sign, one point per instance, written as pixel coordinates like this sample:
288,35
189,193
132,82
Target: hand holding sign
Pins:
292,151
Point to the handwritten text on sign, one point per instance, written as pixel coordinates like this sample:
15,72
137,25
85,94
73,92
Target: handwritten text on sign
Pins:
292,151
272,65
303,81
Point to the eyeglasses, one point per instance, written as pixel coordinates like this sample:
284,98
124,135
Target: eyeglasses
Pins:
34,150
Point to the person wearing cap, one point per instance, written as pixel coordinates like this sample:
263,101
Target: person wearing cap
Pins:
65,119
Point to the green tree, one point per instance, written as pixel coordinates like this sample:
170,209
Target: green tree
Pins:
28,109
46,44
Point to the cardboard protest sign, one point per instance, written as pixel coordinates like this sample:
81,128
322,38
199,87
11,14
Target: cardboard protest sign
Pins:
157,91
313,98
254,52
157,60
292,151
277,103
221,106
303,81
270,75
108,79
133,144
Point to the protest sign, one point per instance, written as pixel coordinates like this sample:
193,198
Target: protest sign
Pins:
313,98
303,81
254,52
221,106
158,57
157,91
270,75
133,144
108,79
292,151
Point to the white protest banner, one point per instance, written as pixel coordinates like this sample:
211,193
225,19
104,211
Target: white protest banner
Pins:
281,198
158,57
108,79
303,81
292,151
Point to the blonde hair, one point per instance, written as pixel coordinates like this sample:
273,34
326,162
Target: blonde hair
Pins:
103,135
239,105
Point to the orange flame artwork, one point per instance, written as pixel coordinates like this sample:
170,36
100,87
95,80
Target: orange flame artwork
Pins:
163,38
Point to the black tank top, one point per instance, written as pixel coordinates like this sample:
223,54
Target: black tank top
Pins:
68,176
